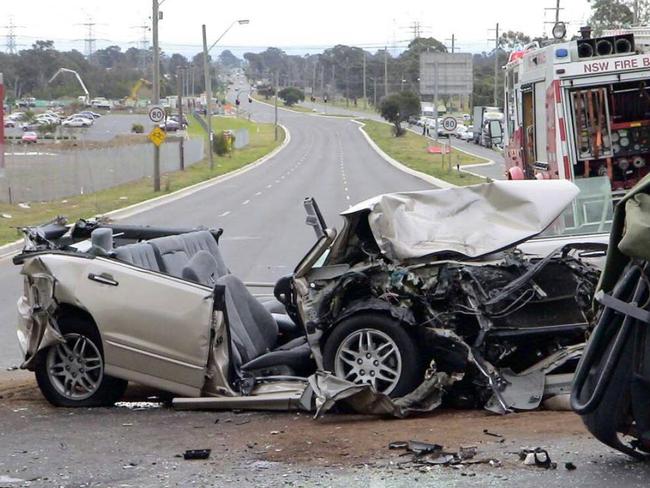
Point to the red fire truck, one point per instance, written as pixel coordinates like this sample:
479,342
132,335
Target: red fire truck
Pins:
578,110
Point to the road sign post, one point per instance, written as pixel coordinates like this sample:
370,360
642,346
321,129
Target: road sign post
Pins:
449,125
156,114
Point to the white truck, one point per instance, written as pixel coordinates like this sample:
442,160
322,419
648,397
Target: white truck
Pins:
481,121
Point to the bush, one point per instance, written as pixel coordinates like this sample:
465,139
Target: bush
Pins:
266,91
137,128
398,108
291,95
223,143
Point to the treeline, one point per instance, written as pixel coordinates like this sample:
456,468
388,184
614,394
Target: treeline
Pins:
109,72
338,71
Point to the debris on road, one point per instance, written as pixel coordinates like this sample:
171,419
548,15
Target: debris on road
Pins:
493,434
192,454
537,457
426,453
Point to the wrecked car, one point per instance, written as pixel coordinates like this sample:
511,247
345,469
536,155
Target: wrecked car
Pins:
423,297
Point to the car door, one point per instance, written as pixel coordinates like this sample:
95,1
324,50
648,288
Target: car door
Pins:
155,328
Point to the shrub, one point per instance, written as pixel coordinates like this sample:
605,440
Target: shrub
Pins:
223,143
291,95
137,128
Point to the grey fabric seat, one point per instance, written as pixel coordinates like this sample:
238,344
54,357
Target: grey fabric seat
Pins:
174,252
202,268
254,332
139,254
203,240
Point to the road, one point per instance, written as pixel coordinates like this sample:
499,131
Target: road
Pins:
261,211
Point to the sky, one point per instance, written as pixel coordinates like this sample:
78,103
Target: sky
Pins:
297,27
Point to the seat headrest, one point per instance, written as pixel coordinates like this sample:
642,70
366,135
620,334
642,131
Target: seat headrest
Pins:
102,238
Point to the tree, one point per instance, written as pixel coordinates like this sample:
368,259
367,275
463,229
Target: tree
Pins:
398,107
512,40
614,14
229,60
291,95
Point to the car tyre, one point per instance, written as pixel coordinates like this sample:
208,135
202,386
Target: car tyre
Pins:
375,349
82,356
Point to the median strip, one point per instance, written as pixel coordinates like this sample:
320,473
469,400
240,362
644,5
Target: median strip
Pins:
409,153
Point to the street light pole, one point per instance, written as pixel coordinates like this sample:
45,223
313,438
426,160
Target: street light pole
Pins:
156,91
208,81
208,95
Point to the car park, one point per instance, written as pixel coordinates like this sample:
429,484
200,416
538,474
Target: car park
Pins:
386,304
29,137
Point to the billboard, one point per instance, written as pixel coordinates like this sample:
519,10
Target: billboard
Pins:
452,73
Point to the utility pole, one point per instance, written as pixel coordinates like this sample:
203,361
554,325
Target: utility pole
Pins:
385,71
453,43
208,95
636,12
2,128
275,106
179,94
347,82
10,44
557,11
365,97
496,64
156,90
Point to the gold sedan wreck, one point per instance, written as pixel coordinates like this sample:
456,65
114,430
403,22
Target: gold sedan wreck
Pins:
423,298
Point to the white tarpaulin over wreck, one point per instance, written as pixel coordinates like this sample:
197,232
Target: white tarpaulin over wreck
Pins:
472,220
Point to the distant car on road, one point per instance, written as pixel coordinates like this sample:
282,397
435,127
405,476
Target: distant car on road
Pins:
468,135
170,125
29,137
77,122
460,130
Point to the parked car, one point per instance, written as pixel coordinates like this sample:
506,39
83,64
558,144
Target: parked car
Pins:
17,116
29,126
77,122
419,288
29,137
89,115
8,123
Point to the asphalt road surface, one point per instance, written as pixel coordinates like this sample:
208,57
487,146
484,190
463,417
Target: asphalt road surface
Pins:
261,211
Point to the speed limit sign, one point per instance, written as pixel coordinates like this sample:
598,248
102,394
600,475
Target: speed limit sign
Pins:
449,124
156,114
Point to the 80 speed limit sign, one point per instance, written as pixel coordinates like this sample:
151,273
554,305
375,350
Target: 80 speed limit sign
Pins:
449,124
156,114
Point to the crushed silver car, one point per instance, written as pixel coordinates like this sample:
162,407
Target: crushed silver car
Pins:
422,298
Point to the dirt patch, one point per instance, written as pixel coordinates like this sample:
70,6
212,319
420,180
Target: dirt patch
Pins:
337,439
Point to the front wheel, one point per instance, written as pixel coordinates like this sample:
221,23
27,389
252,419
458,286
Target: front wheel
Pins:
71,374
376,350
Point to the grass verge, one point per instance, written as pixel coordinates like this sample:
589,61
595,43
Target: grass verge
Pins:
261,142
410,150
293,108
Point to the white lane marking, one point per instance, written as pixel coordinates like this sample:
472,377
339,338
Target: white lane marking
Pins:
246,202
277,181
269,186
347,196
225,213
258,193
